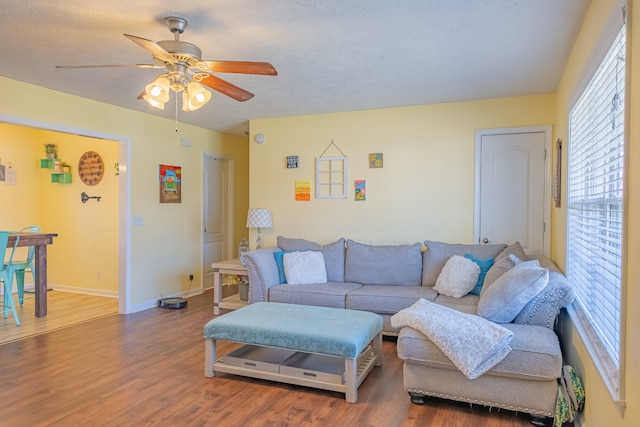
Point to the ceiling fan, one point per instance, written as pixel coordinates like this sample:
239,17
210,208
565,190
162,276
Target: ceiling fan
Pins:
187,72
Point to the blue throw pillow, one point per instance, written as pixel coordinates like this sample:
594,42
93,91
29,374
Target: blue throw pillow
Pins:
279,257
485,265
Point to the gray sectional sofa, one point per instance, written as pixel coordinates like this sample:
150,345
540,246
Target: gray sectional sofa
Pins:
386,279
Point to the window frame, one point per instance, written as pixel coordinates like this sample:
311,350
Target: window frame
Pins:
613,376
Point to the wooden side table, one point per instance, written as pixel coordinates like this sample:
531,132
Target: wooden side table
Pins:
232,302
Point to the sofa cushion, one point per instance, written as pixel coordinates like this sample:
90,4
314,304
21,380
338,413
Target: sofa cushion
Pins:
333,254
535,353
303,268
383,265
467,304
485,265
330,294
458,277
382,299
512,291
437,254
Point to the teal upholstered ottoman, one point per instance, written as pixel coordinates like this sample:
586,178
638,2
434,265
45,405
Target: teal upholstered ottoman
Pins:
333,334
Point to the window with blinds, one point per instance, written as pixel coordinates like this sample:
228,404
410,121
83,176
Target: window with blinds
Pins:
595,202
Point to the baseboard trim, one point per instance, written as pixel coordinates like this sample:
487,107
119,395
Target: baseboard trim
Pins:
73,289
154,303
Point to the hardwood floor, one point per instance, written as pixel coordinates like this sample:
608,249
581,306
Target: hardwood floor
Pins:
64,309
146,369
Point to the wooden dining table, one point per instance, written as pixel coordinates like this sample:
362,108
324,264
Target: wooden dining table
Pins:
40,242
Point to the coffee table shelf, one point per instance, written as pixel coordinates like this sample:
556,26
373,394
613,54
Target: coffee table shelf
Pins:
303,369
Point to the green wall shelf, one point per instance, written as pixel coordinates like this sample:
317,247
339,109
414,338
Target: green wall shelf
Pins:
48,163
61,178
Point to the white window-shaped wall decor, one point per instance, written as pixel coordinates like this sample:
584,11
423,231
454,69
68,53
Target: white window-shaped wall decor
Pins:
331,177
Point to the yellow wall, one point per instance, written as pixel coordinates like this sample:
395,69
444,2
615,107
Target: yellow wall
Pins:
169,244
85,243
425,189
600,409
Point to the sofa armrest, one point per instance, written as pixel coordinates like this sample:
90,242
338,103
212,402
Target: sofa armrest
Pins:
544,308
263,272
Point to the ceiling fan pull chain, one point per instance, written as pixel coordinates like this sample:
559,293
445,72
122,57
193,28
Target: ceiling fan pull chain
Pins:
176,113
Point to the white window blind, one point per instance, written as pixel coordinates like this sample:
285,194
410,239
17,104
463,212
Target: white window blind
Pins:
595,200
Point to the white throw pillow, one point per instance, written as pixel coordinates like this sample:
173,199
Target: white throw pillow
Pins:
304,268
458,277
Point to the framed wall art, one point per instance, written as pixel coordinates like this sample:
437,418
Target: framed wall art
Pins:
303,190
170,184
360,190
375,160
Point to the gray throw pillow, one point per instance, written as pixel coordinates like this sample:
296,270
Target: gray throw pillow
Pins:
498,269
438,253
383,265
513,249
333,254
512,291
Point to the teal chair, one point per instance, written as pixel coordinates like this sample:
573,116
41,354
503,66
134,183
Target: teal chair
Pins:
21,266
6,274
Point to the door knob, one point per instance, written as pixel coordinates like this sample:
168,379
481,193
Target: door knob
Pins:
485,240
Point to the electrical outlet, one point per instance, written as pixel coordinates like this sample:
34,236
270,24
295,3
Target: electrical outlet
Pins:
190,276
138,220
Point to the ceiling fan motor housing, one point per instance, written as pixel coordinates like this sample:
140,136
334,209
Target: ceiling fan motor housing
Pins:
184,52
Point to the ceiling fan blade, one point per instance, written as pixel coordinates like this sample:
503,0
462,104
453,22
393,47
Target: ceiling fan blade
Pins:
242,67
110,66
226,88
156,50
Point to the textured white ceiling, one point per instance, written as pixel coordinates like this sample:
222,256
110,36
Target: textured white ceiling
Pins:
331,56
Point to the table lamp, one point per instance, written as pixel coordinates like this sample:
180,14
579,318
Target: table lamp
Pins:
259,218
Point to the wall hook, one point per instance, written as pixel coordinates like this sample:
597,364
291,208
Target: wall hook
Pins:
84,197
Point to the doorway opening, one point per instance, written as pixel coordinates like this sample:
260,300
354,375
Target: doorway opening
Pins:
123,188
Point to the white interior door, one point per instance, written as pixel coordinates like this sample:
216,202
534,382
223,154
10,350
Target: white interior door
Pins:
511,191
217,217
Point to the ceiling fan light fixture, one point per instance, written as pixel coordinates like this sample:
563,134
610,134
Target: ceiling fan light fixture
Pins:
194,96
157,90
152,102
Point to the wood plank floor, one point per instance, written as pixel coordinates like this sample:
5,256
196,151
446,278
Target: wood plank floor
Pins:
63,309
146,369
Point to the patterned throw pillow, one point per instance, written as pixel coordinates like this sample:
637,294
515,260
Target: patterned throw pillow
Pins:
458,276
304,268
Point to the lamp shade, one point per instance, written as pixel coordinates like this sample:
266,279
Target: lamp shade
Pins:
194,97
157,92
259,218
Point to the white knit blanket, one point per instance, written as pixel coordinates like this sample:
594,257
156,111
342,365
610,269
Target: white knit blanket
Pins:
473,344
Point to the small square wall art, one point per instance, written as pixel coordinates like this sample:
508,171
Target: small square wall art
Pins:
375,160
292,162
